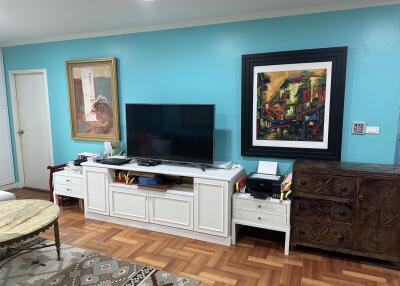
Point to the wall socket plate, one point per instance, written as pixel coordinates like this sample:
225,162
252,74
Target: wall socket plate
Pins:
358,128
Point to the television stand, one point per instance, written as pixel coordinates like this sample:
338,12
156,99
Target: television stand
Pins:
148,162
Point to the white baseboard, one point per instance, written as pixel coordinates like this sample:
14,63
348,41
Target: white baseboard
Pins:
11,186
161,228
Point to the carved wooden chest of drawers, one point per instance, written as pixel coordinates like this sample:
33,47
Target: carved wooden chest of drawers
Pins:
347,207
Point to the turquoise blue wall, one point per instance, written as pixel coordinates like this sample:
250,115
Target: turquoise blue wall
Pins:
203,65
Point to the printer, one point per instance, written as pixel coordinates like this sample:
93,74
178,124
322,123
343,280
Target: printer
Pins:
261,186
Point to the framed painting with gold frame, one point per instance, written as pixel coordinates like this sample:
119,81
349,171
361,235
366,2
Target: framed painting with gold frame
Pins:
93,99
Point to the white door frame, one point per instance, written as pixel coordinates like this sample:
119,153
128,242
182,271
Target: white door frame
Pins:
3,102
14,104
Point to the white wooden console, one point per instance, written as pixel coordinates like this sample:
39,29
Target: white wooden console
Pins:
202,212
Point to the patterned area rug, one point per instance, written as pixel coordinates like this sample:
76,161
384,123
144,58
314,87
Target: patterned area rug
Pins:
99,270
36,267
79,267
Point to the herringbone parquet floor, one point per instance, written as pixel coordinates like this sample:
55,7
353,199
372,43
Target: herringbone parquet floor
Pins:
254,261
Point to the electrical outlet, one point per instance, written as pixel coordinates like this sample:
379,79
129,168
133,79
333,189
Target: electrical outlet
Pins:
358,128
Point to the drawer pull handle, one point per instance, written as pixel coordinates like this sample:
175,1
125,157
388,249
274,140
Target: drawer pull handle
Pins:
68,189
341,238
259,207
259,218
68,181
342,212
302,232
303,183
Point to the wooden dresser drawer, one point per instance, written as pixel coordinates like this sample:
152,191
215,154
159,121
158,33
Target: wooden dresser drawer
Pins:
322,211
339,187
260,205
70,191
312,234
261,218
67,180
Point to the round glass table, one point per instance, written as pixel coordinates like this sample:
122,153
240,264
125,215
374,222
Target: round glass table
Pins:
24,219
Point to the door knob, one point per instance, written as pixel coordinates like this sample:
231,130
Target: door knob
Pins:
20,132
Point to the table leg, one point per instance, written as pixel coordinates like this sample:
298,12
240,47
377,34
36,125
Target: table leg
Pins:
287,241
233,239
57,239
55,199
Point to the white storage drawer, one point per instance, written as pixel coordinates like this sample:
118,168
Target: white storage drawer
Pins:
67,180
171,210
128,203
260,206
70,191
261,218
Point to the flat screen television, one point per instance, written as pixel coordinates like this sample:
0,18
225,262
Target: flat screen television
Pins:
171,132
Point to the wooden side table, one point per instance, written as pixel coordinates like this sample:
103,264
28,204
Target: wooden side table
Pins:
268,214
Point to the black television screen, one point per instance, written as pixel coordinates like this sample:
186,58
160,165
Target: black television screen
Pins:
171,132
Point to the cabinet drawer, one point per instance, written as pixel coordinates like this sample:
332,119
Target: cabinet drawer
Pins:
70,191
318,234
261,218
260,206
322,211
325,185
64,180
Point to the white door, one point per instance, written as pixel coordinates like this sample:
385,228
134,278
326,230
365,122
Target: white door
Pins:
171,210
128,203
96,190
211,206
33,128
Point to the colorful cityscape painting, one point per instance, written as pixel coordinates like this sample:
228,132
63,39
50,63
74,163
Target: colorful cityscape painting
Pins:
290,105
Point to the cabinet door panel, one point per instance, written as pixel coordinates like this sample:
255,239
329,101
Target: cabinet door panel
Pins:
377,217
211,207
127,203
170,210
96,190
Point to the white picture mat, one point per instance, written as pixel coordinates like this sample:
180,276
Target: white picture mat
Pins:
289,67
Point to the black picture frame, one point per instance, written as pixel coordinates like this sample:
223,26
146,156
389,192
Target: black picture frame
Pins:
338,57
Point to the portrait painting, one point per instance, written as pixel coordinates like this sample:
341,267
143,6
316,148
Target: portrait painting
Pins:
292,103
93,99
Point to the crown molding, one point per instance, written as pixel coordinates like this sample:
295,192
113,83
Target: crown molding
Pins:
206,22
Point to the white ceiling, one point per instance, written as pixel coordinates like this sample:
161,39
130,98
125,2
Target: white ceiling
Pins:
28,21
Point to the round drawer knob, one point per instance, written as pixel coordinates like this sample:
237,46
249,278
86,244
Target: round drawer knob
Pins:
259,218
259,207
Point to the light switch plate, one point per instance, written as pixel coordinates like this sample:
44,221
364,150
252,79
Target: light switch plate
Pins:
358,128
